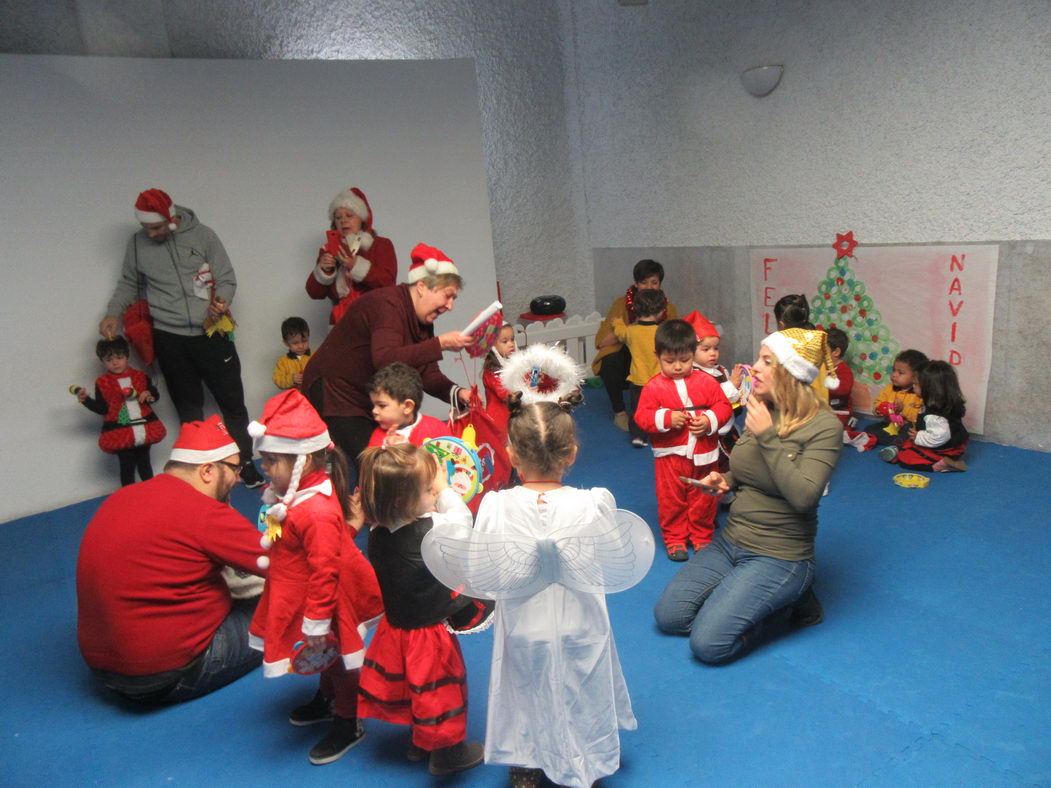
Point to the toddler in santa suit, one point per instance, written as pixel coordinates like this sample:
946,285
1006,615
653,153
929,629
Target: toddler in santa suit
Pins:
682,409
319,587
122,397
396,392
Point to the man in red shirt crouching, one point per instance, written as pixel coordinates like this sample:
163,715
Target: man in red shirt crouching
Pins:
155,619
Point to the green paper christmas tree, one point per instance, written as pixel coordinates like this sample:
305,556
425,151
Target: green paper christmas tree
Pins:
842,303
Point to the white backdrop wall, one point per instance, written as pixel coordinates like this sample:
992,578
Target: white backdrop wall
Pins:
257,149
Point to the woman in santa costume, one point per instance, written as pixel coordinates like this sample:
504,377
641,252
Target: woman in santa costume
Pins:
320,589
355,259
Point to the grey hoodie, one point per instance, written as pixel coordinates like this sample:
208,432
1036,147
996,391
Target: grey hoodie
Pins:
165,273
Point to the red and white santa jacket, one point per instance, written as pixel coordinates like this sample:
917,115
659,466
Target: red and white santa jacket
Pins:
127,423
699,392
422,429
374,264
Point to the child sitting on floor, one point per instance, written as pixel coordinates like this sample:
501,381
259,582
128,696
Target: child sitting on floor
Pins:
639,338
682,409
898,405
396,392
288,371
839,397
938,439
122,397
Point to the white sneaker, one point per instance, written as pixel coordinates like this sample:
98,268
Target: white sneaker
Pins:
638,443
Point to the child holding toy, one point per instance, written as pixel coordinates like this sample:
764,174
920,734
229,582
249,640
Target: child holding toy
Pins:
938,439
897,405
122,397
320,589
682,409
706,359
288,371
414,671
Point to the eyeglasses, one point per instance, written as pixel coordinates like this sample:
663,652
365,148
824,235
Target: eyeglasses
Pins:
232,466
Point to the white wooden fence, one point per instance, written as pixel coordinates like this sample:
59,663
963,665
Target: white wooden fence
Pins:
575,335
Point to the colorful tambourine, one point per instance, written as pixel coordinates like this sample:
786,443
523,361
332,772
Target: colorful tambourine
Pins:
911,480
306,660
461,461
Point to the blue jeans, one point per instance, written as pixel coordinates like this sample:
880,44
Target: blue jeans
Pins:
227,658
723,594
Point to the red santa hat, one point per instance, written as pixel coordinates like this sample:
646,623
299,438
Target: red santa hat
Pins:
428,261
289,425
203,441
702,326
154,206
354,200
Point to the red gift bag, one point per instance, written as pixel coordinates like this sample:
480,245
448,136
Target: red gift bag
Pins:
138,329
491,443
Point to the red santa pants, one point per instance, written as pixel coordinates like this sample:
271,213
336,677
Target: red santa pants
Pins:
685,513
341,685
416,677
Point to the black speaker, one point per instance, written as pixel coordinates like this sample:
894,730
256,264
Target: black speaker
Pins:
547,305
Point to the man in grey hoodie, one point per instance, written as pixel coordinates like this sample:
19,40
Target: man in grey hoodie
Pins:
181,268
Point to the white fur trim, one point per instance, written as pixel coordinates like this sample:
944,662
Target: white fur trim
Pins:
661,418
707,458
263,562
275,444
360,269
832,382
431,267
347,199
551,361
278,511
353,661
312,626
264,542
275,670
797,366
365,240
322,278
713,423
200,457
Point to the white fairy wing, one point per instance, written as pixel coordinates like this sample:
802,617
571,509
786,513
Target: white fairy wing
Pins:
610,554
487,566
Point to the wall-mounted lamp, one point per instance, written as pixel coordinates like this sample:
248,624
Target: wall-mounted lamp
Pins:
761,80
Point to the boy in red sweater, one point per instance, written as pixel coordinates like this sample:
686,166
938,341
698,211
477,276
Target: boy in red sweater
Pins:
396,392
682,409
839,397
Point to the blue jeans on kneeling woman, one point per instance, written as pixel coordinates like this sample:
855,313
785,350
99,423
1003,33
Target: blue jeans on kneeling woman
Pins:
723,594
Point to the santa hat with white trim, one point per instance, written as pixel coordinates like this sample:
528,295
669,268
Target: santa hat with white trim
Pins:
429,261
153,205
354,200
802,352
289,425
203,441
702,326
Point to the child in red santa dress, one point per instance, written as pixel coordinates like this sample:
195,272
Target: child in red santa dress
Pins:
122,397
495,393
682,409
355,259
706,359
320,589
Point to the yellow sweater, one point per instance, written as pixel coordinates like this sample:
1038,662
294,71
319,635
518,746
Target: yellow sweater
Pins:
911,404
287,366
619,310
640,339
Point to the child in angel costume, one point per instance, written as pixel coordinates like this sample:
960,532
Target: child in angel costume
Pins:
320,589
548,553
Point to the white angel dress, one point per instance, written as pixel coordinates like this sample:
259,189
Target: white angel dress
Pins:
557,696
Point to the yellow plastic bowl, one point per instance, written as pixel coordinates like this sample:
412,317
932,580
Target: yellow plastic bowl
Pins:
911,480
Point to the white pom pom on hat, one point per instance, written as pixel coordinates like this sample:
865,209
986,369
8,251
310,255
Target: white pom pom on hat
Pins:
154,205
429,261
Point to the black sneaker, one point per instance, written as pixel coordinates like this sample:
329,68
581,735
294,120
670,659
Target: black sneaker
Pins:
345,734
416,754
319,709
250,477
457,758
807,612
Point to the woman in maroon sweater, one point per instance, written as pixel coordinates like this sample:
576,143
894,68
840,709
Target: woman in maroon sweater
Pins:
385,325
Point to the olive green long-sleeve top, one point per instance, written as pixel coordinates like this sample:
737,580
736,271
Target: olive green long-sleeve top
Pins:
779,482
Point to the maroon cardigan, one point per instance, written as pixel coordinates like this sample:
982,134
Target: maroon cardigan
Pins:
379,328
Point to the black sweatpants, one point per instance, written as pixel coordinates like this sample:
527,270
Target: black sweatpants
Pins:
189,362
134,459
613,370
